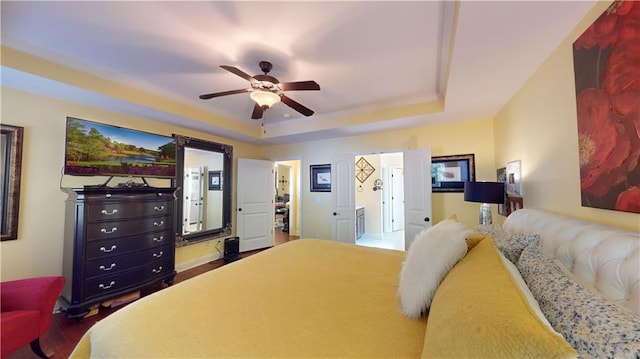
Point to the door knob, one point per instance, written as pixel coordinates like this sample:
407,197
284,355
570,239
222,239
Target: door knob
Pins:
335,213
239,209
427,219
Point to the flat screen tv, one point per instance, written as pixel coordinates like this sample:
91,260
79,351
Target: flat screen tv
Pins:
96,149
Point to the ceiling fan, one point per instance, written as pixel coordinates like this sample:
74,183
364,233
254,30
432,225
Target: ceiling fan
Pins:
266,90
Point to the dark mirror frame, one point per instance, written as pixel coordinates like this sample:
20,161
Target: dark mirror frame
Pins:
227,151
12,168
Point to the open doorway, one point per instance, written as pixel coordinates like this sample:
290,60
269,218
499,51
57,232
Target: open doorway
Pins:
286,202
379,199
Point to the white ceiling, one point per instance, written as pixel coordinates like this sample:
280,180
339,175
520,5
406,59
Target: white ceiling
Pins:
366,56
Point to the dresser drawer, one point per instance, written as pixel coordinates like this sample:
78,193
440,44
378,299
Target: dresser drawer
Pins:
106,211
116,264
118,195
124,245
102,230
107,284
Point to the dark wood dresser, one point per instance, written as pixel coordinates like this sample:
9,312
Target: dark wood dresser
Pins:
117,240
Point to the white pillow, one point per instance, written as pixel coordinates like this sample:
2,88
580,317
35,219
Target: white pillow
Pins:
431,255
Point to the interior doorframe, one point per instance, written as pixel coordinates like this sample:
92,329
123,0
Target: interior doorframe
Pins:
391,182
385,177
298,193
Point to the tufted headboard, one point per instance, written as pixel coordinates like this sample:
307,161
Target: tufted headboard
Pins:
606,258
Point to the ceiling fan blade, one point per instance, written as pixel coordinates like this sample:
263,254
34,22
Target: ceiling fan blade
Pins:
299,86
239,72
224,93
257,112
296,105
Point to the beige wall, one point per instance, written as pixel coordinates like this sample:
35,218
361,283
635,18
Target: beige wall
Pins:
539,127
283,171
443,139
38,249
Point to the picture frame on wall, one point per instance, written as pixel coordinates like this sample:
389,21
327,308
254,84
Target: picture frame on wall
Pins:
320,178
514,203
605,65
514,178
215,180
449,173
501,176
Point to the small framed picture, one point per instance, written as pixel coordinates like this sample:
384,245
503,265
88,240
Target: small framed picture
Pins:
215,180
321,178
514,183
514,203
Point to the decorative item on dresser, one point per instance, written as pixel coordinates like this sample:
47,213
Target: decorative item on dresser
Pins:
117,240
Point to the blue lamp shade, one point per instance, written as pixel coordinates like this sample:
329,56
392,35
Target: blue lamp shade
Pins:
484,192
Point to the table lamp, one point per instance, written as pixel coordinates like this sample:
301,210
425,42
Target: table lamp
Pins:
485,193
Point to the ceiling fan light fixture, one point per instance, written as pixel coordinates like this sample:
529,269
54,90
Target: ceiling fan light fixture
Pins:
264,98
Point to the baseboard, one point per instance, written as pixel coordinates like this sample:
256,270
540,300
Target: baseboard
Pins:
197,262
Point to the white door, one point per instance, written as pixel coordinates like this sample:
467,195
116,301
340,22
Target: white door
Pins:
417,186
397,199
255,213
193,192
343,216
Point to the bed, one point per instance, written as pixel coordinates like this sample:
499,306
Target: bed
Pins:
322,299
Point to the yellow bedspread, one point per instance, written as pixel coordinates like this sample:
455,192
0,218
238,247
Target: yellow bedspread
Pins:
304,299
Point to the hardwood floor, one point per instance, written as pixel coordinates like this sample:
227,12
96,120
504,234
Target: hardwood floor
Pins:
65,333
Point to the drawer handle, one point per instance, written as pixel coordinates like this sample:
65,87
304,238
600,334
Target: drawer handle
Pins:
158,239
158,224
102,286
113,265
104,211
103,230
161,208
103,249
158,255
158,270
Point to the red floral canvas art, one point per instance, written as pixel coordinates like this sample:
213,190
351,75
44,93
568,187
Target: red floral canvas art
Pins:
607,74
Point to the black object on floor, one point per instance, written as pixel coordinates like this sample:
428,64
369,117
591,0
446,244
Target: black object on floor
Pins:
231,249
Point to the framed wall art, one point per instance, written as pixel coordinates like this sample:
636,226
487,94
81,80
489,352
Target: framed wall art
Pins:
606,76
215,180
501,176
514,178
321,178
363,169
449,173
514,203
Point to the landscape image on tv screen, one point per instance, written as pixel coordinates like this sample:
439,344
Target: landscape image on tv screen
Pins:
95,149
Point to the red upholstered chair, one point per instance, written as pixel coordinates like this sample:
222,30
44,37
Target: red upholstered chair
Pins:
26,312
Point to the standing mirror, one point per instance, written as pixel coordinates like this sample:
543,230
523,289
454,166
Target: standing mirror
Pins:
10,162
203,179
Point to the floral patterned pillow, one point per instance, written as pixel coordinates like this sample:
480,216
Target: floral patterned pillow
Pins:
595,327
511,245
